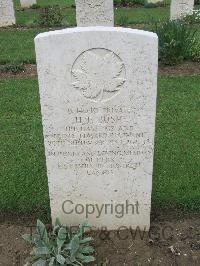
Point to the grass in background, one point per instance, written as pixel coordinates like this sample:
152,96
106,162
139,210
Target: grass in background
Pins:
29,16
26,17
134,15
142,15
23,181
18,45
60,2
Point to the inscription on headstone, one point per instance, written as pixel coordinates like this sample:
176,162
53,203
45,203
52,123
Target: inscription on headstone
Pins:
94,13
181,8
7,15
98,97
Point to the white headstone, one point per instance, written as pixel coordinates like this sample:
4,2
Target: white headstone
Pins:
98,98
27,3
181,8
94,13
7,14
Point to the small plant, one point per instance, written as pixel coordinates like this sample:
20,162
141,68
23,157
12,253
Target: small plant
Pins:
195,52
13,67
61,246
35,6
128,3
123,21
117,3
50,16
176,41
193,18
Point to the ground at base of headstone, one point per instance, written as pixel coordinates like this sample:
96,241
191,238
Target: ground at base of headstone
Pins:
174,239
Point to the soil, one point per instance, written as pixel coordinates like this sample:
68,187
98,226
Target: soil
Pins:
186,68
173,240
29,70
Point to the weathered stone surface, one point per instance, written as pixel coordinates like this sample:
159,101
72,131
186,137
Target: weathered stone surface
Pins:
98,98
94,13
27,3
7,15
181,8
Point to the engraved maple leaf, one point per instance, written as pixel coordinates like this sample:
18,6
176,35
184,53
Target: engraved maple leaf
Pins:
97,74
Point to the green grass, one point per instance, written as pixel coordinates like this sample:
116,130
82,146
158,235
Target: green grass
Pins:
177,157
18,45
23,181
26,17
176,182
142,15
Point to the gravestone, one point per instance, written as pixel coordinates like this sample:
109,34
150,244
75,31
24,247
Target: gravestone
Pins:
27,3
7,14
98,99
94,13
181,8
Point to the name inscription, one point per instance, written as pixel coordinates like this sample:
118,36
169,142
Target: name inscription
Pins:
99,140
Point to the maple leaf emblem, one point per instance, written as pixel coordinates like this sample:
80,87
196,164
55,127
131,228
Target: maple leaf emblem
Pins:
98,74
